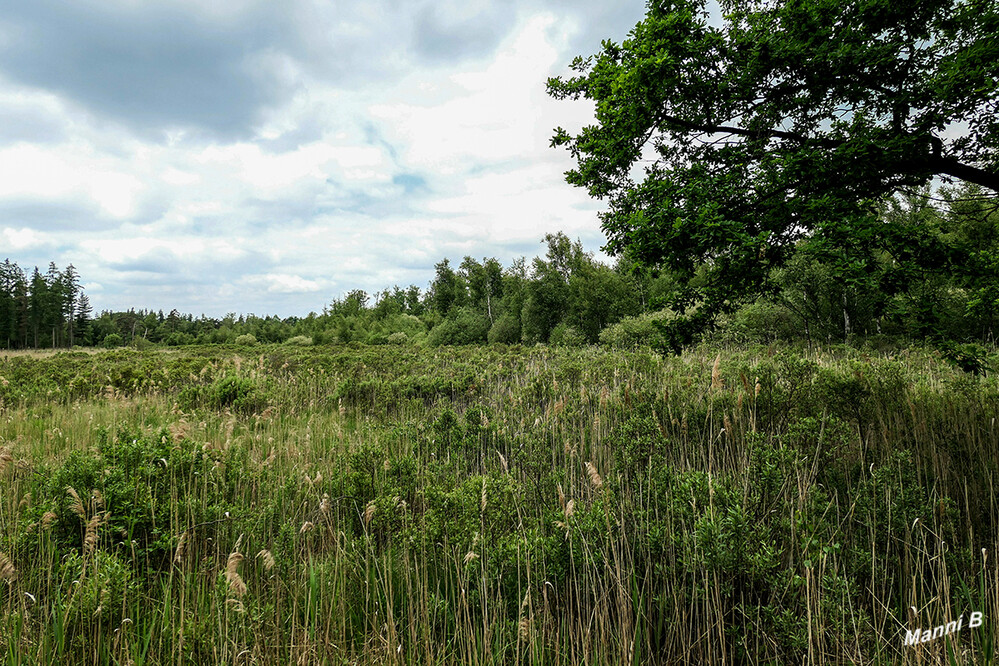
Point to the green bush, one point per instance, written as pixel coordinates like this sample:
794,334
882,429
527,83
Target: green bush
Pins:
465,327
632,332
112,340
506,330
131,481
246,340
763,322
237,394
299,341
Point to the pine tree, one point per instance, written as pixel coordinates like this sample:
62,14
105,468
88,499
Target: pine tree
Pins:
82,320
70,290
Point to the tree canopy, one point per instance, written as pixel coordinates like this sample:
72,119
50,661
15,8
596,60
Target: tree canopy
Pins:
721,145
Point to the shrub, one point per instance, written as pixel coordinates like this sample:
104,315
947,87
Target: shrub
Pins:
239,394
414,329
633,332
299,341
506,330
466,327
246,340
763,322
175,339
398,338
112,340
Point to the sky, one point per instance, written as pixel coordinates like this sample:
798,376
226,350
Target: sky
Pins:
267,157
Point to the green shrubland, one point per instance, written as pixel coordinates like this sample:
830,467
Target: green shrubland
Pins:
495,504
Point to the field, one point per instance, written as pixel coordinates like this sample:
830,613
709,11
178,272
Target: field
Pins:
496,505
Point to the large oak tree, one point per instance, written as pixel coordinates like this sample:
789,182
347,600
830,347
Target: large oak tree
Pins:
720,144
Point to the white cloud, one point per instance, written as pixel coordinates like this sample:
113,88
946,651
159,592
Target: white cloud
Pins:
284,284
21,239
67,173
479,116
343,182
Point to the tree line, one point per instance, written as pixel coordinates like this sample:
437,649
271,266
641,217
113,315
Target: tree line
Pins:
567,297
44,310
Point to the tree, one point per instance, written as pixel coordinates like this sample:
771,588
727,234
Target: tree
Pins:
13,304
725,147
484,282
447,291
69,282
353,304
598,297
37,300
547,292
82,324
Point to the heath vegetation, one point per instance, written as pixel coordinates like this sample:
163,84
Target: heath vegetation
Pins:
495,504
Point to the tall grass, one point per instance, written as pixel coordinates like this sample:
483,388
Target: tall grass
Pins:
495,506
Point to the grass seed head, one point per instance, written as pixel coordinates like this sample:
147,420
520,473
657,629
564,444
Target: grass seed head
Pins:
570,508
524,629
75,503
267,559
236,584
7,570
716,379
90,535
594,475
6,458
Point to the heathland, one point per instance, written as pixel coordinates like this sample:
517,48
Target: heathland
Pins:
495,504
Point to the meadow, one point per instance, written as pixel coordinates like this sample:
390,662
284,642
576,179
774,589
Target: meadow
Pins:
496,505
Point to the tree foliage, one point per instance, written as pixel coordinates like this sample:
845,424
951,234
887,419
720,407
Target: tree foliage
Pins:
47,310
721,148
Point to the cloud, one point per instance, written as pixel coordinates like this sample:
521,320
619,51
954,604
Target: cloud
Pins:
153,66
280,283
21,239
461,29
267,157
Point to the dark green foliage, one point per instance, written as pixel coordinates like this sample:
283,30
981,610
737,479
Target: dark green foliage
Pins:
772,125
506,330
637,441
112,340
970,357
49,310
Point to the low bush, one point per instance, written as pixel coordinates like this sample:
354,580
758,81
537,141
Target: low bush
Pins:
464,327
112,340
